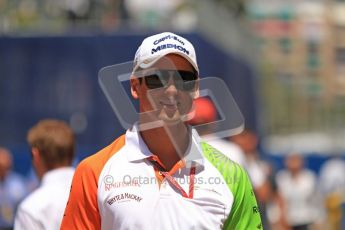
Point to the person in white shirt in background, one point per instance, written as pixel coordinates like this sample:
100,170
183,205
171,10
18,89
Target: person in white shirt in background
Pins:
12,189
52,145
258,170
298,186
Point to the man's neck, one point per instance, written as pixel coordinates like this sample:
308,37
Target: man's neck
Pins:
168,143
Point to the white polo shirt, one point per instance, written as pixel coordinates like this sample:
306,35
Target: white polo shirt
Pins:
301,196
43,209
119,188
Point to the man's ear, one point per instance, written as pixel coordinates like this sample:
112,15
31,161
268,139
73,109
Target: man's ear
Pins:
135,87
38,163
36,156
37,160
196,93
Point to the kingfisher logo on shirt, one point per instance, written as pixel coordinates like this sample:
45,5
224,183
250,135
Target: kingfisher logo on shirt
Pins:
115,185
124,197
110,184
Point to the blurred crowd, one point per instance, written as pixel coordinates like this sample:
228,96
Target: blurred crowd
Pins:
293,197
13,189
37,16
290,198
105,15
26,203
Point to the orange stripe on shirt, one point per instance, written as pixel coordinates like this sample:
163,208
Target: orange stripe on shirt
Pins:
82,210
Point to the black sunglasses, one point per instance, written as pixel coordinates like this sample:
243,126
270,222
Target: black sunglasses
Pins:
184,80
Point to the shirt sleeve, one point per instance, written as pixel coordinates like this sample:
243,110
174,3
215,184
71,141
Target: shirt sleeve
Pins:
82,208
82,211
244,213
25,221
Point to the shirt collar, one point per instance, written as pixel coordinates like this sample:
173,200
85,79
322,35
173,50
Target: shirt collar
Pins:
138,150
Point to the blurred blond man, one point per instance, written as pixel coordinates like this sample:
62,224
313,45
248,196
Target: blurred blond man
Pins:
52,145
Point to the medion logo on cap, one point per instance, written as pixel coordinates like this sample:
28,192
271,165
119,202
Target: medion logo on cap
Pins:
168,46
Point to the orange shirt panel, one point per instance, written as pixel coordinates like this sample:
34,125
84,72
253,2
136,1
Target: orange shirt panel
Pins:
82,207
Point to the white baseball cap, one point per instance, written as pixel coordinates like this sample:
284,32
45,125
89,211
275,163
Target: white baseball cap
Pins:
157,46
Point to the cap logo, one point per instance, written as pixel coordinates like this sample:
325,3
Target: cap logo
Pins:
167,46
168,37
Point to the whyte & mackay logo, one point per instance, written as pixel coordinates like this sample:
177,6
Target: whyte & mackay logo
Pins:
124,197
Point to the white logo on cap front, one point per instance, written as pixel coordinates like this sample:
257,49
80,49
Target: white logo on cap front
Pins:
169,46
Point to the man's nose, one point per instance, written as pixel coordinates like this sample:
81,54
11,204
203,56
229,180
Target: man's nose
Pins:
171,87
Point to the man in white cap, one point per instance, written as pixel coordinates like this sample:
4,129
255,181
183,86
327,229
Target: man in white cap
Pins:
163,176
